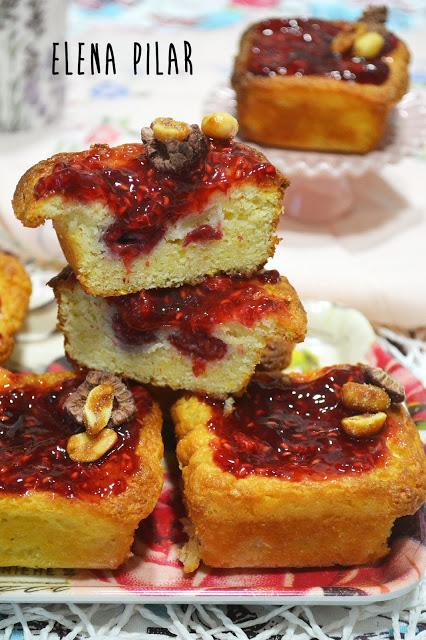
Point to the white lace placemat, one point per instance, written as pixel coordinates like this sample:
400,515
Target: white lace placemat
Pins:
400,619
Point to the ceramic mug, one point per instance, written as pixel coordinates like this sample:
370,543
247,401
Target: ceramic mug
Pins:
30,95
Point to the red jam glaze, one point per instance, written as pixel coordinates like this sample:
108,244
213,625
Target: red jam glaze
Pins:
145,201
303,47
293,432
202,234
194,312
34,430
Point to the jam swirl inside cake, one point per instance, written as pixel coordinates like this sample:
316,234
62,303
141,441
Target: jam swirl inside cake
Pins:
192,313
293,431
281,47
145,201
33,438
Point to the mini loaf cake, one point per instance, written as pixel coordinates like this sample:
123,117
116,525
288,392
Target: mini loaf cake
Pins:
81,467
207,337
318,84
15,292
300,471
182,205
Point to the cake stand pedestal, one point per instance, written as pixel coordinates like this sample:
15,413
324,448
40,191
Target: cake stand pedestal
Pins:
318,199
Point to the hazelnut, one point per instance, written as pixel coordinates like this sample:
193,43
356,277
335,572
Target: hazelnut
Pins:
97,410
364,397
219,125
165,129
81,447
344,39
364,425
368,45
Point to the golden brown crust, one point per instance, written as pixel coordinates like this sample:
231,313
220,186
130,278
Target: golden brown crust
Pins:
15,291
342,116
117,515
243,522
26,208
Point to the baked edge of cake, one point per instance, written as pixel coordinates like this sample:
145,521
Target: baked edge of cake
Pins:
121,513
257,500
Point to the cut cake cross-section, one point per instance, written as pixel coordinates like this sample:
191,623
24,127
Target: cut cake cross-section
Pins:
207,337
157,214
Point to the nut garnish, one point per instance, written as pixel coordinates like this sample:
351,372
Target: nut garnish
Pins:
380,378
364,397
219,125
368,45
124,406
364,425
170,151
81,447
344,40
97,409
101,400
374,17
361,36
168,129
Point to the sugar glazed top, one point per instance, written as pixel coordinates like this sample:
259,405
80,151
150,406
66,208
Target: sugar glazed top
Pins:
292,430
297,47
34,432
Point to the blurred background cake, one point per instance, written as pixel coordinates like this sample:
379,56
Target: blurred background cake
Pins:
318,84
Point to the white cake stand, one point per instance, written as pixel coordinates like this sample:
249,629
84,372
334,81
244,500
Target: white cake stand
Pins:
320,187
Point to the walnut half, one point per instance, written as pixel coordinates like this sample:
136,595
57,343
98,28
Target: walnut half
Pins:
92,404
168,151
382,379
124,407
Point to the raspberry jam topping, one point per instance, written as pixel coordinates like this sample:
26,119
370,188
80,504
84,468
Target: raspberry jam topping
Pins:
203,233
147,202
192,313
33,438
303,47
293,432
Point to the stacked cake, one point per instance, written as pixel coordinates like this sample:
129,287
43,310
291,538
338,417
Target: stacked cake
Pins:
166,242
